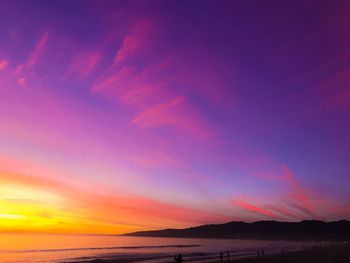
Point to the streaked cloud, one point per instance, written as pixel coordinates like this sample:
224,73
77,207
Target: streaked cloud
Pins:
83,64
135,41
36,53
176,112
254,208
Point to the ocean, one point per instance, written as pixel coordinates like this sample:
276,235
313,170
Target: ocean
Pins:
27,248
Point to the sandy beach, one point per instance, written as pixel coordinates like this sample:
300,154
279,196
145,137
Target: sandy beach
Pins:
330,254
339,253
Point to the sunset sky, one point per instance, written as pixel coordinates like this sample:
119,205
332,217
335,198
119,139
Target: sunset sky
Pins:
119,116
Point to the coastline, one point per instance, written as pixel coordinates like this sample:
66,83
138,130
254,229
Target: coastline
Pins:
334,253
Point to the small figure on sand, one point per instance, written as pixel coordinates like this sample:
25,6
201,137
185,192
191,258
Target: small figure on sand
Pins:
262,252
258,252
228,256
178,258
221,256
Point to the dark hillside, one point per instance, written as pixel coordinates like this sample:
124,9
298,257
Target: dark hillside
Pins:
304,230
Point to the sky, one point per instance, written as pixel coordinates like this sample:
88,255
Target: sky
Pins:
119,116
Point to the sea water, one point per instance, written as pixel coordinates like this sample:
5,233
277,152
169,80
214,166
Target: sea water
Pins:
79,248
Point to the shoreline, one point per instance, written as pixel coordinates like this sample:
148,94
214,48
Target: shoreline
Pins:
333,253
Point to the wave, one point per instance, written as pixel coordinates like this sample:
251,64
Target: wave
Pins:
95,248
158,257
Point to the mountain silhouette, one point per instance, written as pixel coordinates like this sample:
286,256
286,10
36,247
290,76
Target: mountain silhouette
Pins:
304,230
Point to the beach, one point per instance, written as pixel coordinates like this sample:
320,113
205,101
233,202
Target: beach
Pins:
122,249
339,253
335,253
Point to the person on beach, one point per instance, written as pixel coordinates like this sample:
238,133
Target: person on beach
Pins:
221,256
178,258
262,252
258,252
228,255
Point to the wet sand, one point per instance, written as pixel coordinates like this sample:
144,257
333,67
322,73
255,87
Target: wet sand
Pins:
329,254
339,253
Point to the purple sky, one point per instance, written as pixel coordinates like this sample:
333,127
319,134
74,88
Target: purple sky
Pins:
219,110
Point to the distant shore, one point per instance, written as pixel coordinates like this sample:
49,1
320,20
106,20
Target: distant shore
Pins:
336,253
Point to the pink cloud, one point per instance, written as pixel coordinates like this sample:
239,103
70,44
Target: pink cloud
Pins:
161,114
290,210
149,95
148,90
22,81
39,47
176,112
139,94
254,208
83,64
130,87
36,52
135,41
284,212
3,64
186,69
294,201
297,192
300,202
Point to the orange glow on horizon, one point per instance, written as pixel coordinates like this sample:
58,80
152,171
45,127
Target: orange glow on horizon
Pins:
28,207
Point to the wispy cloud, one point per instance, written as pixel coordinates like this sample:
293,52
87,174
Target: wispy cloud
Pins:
242,203
3,64
128,86
155,105
83,64
298,193
135,41
176,112
36,53
22,81
296,203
